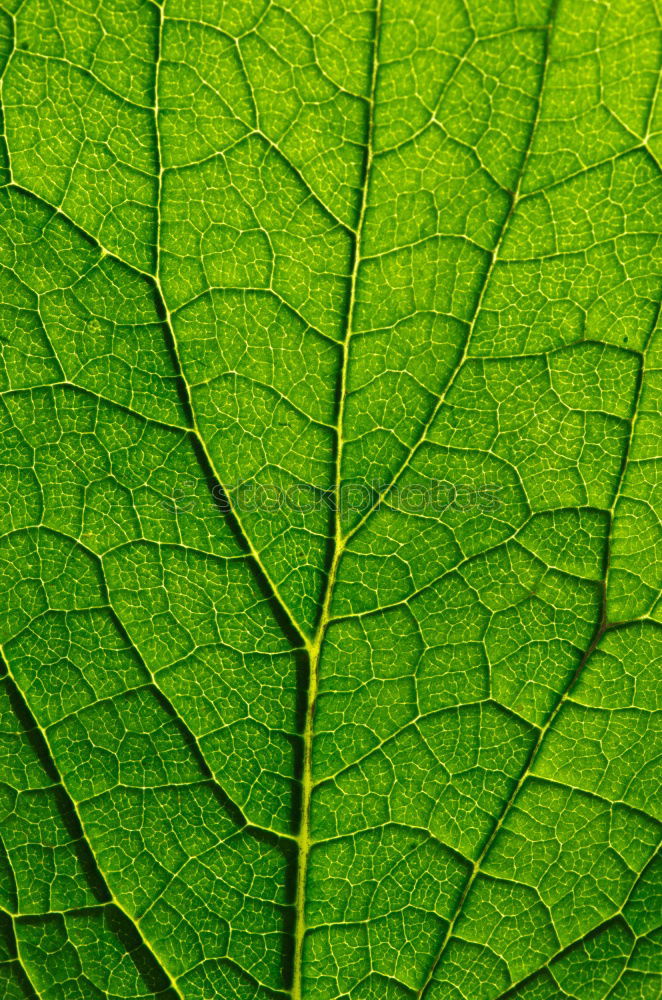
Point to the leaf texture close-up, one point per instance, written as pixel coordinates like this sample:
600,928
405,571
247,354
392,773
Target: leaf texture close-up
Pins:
330,498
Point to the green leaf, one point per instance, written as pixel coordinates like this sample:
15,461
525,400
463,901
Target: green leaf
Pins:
331,547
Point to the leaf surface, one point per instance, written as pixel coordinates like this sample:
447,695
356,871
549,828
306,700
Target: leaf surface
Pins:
331,541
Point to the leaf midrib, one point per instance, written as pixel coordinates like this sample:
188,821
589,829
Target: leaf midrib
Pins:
339,540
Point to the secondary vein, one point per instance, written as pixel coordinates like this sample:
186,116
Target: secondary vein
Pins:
79,820
601,628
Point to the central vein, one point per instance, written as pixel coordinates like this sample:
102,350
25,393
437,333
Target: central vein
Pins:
315,648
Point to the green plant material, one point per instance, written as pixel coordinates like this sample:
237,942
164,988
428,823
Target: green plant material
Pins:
330,548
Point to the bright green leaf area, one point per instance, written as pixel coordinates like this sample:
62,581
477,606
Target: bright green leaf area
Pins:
331,488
